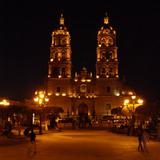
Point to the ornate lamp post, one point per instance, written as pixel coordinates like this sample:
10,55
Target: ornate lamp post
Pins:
41,99
3,104
131,104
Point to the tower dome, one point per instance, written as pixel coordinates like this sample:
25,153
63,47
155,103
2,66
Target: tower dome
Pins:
60,52
62,30
107,62
106,34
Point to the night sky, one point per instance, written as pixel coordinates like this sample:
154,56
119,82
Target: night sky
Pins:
25,38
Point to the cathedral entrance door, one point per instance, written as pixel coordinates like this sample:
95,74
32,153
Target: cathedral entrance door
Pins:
83,115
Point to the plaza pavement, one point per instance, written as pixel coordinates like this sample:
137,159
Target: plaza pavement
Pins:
78,145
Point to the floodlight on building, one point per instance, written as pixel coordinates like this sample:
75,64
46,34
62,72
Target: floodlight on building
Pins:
63,94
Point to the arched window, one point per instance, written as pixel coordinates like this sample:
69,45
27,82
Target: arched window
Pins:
108,89
103,70
110,71
89,90
55,71
58,89
63,71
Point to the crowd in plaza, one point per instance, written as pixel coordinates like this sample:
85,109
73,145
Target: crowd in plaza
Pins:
84,122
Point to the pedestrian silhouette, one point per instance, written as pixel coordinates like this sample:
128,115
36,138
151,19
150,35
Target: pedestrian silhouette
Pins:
145,140
32,148
140,138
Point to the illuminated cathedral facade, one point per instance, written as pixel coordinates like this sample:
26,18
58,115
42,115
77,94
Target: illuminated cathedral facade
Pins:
84,93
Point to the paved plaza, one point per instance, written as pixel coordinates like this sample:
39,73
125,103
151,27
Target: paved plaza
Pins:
78,145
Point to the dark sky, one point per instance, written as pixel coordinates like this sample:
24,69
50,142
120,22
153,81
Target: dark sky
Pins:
25,38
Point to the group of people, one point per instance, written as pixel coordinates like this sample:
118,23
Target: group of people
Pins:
82,122
142,136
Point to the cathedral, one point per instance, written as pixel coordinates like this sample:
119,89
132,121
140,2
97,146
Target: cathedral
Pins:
85,94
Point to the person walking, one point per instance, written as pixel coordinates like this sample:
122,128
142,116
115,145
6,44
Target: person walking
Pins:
145,140
32,148
140,138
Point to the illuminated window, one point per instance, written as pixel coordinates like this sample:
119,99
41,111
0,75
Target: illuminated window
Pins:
53,40
67,40
83,88
57,40
59,55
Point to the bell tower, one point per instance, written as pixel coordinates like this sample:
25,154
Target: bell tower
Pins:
107,61
60,52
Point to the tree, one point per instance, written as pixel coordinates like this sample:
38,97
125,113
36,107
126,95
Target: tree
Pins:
117,111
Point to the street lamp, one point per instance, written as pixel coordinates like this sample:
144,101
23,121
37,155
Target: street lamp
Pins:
3,103
41,99
131,104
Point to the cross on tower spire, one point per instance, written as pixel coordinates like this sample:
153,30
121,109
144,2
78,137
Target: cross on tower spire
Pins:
106,19
61,19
